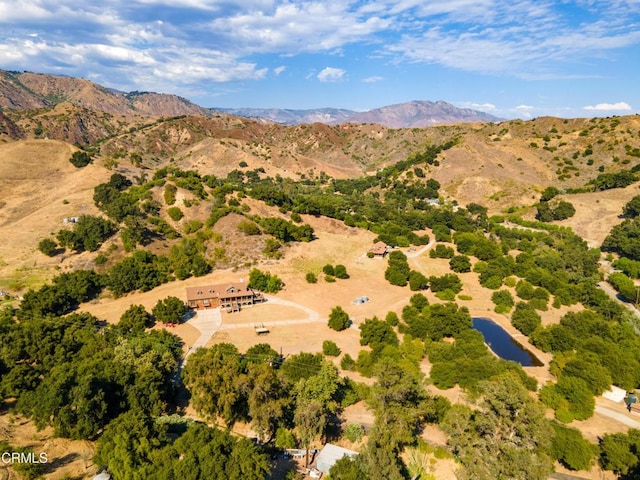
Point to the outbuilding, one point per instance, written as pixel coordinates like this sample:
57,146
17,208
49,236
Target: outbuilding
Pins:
330,454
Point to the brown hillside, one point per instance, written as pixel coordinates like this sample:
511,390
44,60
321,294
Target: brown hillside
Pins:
38,188
20,91
8,129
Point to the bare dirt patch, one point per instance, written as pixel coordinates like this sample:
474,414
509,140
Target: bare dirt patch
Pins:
598,212
66,458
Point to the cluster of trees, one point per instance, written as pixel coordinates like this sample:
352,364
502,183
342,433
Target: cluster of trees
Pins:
624,239
398,273
136,446
299,395
337,271
284,230
87,234
265,281
546,212
76,375
590,353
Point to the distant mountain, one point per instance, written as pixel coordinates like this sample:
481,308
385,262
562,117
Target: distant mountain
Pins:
292,117
409,114
26,90
421,114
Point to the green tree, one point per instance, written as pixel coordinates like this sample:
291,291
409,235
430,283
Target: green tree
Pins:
570,448
338,319
169,310
330,348
507,438
311,277
417,281
340,271
48,246
632,207
525,318
460,264
214,377
267,399
134,320
80,159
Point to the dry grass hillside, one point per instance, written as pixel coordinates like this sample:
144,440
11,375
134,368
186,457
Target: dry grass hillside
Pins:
38,188
502,166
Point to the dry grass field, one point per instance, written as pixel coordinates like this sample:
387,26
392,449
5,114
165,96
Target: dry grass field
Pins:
38,188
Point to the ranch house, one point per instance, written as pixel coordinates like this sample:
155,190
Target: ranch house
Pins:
228,295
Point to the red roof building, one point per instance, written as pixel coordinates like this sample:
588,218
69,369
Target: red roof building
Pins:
226,295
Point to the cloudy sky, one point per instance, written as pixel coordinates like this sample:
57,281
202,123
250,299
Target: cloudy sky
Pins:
518,58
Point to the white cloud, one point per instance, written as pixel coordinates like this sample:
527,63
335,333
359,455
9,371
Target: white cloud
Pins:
622,106
331,74
373,79
525,108
279,70
485,107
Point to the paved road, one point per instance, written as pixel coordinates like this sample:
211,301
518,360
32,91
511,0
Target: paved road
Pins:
207,322
622,416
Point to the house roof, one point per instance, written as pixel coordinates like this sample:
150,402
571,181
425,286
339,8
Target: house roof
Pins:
225,290
379,248
330,454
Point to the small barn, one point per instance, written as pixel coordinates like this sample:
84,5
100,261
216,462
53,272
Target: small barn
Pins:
329,455
379,249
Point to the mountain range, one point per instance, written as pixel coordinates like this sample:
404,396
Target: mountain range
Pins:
27,90
414,114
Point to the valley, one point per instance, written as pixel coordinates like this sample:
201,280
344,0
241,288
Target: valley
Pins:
507,220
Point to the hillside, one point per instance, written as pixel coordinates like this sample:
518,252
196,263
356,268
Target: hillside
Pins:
27,91
160,203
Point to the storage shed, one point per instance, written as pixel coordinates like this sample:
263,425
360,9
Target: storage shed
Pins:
329,455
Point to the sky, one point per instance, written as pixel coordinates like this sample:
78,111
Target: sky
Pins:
510,58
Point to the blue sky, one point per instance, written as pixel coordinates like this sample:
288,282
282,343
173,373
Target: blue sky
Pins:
518,58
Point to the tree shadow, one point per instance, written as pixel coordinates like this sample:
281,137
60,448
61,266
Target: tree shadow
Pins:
56,463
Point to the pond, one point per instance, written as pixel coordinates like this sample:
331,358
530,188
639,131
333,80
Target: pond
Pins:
503,344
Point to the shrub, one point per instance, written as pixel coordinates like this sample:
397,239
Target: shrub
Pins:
330,348
340,271
175,213
170,193
80,159
329,270
417,281
311,277
248,227
354,432
503,299
48,246
460,264
338,319
348,363
329,278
